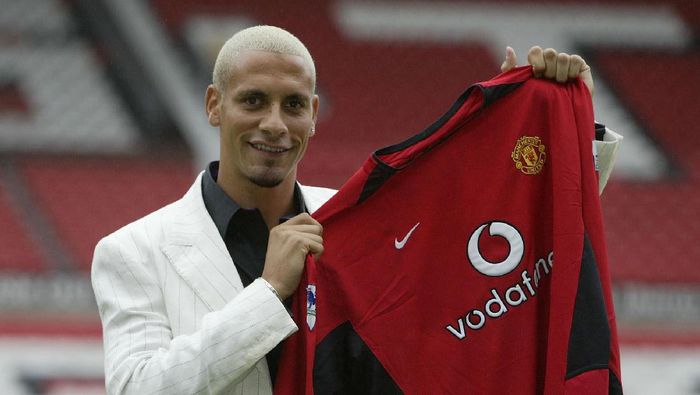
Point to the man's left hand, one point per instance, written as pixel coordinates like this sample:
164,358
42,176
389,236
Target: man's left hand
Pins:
552,65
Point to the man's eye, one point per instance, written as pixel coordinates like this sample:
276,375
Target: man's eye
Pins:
252,100
296,104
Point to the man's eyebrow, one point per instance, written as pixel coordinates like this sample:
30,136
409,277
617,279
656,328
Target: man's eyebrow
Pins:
251,92
298,96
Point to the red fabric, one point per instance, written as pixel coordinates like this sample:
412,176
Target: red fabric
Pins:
402,302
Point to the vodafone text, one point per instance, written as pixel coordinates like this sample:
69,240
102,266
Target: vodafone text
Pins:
498,303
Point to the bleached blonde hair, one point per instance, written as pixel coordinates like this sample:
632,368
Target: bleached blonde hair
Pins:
261,38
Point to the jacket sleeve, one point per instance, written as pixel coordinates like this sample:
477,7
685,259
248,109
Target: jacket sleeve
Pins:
141,354
606,146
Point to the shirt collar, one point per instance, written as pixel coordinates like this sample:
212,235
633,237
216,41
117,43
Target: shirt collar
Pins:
221,207
299,205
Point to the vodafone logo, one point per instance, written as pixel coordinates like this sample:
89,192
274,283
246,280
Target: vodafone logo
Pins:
503,297
495,269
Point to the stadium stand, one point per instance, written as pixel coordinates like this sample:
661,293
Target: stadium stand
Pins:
19,253
47,65
34,18
86,198
653,228
11,100
56,98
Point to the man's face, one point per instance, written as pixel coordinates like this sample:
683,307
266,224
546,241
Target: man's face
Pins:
265,116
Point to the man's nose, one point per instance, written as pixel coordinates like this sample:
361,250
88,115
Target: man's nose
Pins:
273,122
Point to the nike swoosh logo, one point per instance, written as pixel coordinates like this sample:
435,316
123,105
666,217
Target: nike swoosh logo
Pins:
399,244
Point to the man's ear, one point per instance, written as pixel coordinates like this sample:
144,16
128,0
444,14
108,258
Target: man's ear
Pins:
212,101
314,116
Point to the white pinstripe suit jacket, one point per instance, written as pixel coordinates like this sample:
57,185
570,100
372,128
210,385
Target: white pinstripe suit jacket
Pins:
176,318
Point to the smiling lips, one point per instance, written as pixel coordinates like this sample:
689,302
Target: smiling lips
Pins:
269,148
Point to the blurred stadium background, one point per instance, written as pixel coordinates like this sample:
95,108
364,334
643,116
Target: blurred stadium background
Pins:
102,121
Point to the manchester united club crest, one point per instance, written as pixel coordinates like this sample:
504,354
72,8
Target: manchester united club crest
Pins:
529,155
311,306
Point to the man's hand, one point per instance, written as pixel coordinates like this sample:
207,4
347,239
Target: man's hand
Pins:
549,64
287,247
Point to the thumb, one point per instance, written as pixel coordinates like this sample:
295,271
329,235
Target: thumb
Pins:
510,61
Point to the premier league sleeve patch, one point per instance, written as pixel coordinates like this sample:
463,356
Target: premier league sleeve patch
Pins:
311,306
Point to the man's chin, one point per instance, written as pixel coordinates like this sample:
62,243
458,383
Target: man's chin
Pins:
266,181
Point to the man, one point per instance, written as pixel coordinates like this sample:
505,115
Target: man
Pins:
179,316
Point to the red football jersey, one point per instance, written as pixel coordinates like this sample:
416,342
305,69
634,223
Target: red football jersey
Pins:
468,259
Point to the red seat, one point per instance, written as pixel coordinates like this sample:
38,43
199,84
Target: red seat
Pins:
85,199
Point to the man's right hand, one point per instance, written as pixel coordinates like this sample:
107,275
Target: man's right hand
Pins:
287,247
552,65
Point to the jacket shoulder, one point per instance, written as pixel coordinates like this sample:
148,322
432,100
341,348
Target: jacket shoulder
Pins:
157,221
136,242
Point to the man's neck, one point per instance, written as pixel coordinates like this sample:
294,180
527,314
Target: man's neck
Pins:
273,203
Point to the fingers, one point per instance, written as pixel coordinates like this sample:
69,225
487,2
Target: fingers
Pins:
510,61
560,67
579,68
287,247
304,238
315,248
550,63
535,57
575,66
303,223
303,218
315,229
312,230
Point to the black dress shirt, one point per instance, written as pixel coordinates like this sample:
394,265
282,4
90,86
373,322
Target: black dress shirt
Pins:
245,234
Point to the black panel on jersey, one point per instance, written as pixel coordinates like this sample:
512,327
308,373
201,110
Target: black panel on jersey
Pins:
589,343
345,365
379,175
382,172
495,92
615,385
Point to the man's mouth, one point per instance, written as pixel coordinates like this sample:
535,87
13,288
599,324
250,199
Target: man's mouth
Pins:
268,148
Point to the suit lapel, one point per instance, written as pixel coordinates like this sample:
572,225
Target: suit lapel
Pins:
195,249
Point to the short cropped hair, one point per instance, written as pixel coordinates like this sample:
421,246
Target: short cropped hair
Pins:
261,38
